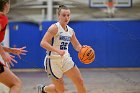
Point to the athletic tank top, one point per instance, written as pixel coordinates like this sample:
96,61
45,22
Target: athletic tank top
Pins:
62,39
3,24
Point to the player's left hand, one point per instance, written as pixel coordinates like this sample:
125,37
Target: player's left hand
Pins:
85,46
19,51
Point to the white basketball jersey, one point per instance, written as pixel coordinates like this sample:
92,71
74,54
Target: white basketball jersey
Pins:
62,39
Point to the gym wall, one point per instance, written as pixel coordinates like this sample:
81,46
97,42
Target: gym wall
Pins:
116,43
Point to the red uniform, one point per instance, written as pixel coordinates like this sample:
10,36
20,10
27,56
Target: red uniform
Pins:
3,24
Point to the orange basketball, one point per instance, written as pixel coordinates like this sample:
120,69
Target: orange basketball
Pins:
86,55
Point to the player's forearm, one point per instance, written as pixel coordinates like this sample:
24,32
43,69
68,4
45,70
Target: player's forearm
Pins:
1,50
9,50
77,48
47,46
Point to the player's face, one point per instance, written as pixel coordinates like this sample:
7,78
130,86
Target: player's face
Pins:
7,7
64,16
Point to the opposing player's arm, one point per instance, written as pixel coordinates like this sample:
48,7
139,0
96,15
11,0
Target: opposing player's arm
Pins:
0,27
7,49
77,46
52,31
1,49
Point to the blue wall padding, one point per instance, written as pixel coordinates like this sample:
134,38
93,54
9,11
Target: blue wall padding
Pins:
116,43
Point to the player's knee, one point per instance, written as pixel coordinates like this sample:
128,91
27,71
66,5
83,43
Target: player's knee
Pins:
17,83
60,90
80,81
60,86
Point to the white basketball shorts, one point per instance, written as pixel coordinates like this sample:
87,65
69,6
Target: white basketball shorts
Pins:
55,65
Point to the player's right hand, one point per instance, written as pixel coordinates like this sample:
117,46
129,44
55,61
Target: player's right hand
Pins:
8,58
61,52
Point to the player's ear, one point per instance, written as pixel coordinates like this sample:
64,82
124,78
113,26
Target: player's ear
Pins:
5,6
58,17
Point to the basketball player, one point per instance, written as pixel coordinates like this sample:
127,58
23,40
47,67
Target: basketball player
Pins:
7,77
58,61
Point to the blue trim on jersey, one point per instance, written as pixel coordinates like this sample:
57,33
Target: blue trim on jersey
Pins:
74,65
51,69
51,45
52,41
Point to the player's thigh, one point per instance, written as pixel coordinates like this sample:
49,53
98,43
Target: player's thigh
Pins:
54,69
74,74
9,78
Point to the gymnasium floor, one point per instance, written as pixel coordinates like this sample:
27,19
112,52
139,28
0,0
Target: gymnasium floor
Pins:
97,81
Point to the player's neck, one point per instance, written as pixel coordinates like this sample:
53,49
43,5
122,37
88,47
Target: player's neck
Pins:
65,28
3,13
63,25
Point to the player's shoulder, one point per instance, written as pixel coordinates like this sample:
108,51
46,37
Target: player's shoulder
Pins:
3,20
3,17
71,31
53,28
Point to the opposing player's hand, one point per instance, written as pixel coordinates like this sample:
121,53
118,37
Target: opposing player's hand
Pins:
8,58
19,51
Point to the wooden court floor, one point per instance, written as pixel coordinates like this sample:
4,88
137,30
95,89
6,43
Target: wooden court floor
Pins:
96,80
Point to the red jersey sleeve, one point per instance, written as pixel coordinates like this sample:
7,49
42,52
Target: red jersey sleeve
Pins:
3,24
